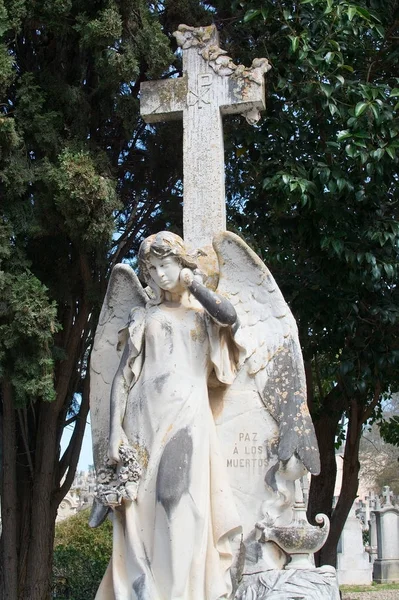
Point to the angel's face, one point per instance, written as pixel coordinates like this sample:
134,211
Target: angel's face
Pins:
165,272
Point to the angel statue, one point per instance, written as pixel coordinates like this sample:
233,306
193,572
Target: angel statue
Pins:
198,371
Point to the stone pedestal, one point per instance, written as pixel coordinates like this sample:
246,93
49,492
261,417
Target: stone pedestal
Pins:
353,563
386,571
386,565
312,584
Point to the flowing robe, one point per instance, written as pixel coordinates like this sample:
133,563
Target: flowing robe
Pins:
172,542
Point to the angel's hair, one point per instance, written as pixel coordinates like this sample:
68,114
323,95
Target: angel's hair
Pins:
162,244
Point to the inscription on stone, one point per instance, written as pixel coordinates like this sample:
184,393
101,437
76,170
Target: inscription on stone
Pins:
248,453
202,94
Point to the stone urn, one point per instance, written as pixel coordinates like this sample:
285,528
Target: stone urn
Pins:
300,540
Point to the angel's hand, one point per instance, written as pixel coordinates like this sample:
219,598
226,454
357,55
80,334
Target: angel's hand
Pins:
115,442
292,469
186,277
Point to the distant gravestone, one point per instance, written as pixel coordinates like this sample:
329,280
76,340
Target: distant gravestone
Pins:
386,565
374,504
388,495
353,564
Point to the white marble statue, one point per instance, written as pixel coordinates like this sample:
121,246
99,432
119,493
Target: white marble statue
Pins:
187,354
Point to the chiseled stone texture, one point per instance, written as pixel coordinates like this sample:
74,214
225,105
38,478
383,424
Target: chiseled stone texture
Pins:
353,566
312,584
386,566
211,86
257,442
386,571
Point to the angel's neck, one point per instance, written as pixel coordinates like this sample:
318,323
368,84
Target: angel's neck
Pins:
174,299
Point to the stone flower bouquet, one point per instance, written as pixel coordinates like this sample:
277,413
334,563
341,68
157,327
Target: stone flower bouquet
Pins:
117,482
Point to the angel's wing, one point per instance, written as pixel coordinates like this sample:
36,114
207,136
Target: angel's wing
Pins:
274,364
124,292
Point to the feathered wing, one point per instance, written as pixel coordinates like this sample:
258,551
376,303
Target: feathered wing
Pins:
124,292
273,364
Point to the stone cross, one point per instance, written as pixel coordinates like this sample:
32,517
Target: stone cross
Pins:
211,86
388,494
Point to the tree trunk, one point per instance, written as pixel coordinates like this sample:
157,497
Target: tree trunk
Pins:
37,584
9,556
24,490
321,491
350,484
31,493
322,487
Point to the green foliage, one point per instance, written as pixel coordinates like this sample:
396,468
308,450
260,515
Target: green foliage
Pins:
69,173
27,324
8,136
390,431
85,199
322,169
103,30
374,587
81,556
16,10
6,67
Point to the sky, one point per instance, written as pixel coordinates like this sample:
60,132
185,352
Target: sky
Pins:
86,455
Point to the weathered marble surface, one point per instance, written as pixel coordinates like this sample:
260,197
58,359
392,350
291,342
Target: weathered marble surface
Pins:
312,584
173,508
234,467
386,565
262,419
211,86
177,366
353,564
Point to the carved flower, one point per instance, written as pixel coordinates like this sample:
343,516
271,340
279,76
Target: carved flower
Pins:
135,476
104,476
114,485
126,454
123,474
135,469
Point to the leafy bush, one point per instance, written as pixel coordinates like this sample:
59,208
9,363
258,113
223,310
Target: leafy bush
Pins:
81,556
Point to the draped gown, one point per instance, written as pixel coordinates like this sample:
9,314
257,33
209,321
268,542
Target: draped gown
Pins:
172,542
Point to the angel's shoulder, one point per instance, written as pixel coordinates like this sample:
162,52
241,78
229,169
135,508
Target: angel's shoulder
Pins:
136,316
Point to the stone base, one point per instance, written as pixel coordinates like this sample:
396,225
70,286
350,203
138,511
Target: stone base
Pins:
355,576
386,571
354,570
309,584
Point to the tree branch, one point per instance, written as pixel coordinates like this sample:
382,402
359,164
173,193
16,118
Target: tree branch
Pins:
75,443
70,421
67,366
370,408
24,434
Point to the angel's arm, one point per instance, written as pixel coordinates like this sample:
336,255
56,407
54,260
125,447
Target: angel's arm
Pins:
119,393
217,306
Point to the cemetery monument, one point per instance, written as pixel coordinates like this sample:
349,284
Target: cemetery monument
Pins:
353,564
201,430
386,565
